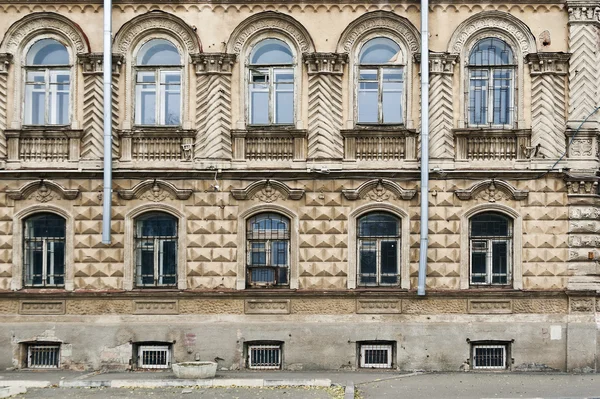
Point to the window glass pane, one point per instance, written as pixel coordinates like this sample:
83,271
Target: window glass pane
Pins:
499,262
491,51
368,261
283,275
263,275
389,257
147,98
368,74
279,253
258,254
56,263
284,104
368,103
37,262
45,225
478,264
172,108
271,52
478,97
146,276
378,225
392,103
158,52
502,99
489,225
380,50
155,224
259,105
48,52
169,262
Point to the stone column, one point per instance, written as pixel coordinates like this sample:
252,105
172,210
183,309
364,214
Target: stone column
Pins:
441,108
92,142
5,60
548,106
325,72
213,106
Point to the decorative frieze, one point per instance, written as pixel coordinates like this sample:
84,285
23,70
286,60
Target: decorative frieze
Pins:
155,307
490,306
267,306
325,104
581,305
582,187
379,306
41,307
441,115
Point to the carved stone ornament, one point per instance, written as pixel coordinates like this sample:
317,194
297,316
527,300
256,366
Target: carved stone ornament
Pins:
270,21
493,21
325,63
155,190
581,305
213,63
492,190
267,191
583,11
441,63
43,191
581,147
379,190
154,21
92,63
22,30
379,21
5,60
582,187
555,63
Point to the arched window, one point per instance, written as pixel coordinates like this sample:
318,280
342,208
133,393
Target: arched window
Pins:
378,250
158,84
490,246
47,84
271,80
155,250
44,250
491,83
268,250
380,82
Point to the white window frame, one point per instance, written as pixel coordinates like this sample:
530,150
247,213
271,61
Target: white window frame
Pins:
490,95
366,347
269,347
270,72
475,347
160,92
154,348
380,91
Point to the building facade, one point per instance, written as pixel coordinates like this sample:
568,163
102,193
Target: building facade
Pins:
266,163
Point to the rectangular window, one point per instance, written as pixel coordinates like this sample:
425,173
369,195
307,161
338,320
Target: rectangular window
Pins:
271,96
154,356
43,356
158,98
490,96
264,357
376,356
378,262
47,97
380,95
489,357
490,261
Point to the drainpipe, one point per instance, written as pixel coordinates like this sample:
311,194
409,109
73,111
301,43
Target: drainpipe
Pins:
424,145
107,80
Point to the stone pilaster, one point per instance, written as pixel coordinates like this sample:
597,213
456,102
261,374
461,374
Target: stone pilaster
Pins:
548,107
325,72
213,109
441,106
5,60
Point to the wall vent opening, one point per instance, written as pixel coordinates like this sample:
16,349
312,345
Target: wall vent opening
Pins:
489,356
376,355
43,356
153,356
265,356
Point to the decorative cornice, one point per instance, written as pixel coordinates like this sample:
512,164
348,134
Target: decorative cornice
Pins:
440,63
44,188
158,189
379,190
156,21
491,190
92,63
23,29
213,63
325,63
270,21
379,21
543,63
5,61
267,191
583,11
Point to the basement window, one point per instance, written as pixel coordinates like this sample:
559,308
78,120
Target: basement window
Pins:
43,356
264,356
153,356
376,355
489,356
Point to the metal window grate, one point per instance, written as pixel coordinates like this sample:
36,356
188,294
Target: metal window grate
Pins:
154,356
264,357
376,356
489,356
43,356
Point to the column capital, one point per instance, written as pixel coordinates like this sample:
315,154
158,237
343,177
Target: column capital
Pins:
5,61
92,63
326,63
213,63
544,63
585,11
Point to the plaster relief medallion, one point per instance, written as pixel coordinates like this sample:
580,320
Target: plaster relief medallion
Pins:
43,194
581,148
582,305
379,194
156,194
491,194
268,194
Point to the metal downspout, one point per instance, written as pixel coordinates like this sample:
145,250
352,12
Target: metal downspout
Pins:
107,81
424,146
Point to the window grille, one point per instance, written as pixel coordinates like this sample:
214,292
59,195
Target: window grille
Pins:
267,250
376,356
378,250
489,357
264,357
44,250
43,356
154,356
156,250
491,249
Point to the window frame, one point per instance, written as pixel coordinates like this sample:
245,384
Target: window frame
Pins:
28,248
271,72
489,253
380,88
159,87
490,69
379,240
47,71
268,252
157,248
